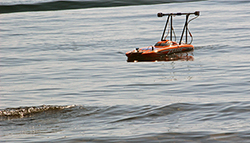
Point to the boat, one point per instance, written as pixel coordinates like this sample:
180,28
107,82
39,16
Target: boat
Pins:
165,49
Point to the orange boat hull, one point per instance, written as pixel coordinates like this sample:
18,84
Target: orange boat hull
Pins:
158,53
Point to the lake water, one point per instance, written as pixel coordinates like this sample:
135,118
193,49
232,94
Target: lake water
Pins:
65,78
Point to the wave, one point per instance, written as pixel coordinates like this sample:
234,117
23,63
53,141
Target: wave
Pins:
177,122
24,111
132,112
67,4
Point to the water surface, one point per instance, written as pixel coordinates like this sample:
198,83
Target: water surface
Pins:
64,75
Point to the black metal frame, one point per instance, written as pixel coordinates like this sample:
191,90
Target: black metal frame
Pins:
185,28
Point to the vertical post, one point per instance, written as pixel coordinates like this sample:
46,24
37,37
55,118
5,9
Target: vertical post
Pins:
182,33
162,37
184,29
187,27
171,22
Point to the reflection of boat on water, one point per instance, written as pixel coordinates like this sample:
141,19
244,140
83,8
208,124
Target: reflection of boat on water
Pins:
183,56
166,50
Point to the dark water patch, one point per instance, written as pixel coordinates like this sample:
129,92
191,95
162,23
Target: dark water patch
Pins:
147,113
64,5
234,2
171,137
191,137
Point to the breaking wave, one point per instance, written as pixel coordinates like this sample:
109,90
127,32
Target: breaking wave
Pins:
24,111
133,112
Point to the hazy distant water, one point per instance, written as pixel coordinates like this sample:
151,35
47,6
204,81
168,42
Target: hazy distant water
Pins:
64,75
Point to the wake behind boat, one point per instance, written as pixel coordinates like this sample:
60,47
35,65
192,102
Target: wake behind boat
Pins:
166,47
